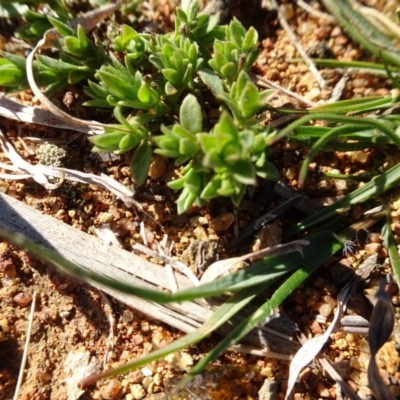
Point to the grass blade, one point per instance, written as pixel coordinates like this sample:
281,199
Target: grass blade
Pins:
370,190
391,245
321,248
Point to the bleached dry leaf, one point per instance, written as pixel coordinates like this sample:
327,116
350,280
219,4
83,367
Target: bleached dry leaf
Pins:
106,234
222,267
35,115
381,327
43,174
179,266
88,21
312,347
344,386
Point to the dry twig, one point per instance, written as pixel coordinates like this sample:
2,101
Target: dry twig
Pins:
26,347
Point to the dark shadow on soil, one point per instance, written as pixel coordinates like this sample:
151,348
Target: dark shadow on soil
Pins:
10,362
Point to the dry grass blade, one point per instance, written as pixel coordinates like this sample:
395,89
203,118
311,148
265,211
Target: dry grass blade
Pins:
299,47
111,337
312,347
179,266
23,113
25,354
88,22
381,327
43,174
346,389
222,267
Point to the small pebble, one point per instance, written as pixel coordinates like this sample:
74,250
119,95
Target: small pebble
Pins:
372,248
198,220
111,390
127,316
325,310
158,167
22,299
222,222
137,391
47,315
157,211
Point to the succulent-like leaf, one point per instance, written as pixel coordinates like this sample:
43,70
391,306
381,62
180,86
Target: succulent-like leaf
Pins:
212,80
107,141
128,142
250,40
64,29
10,74
141,160
249,102
236,32
191,115
172,76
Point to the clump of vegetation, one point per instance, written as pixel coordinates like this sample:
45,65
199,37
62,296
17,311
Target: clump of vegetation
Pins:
50,154
158,87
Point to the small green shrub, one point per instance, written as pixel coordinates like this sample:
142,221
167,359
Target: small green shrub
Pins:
158,87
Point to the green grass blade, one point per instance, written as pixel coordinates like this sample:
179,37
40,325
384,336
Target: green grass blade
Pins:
319,145
366,104
359,65
364,32
391,245
220,316
370,190
262,271
372,123
314,256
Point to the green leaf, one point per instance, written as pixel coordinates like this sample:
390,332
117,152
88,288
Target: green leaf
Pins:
73,46
117,86
251,59
98,90
212,80
236,32
145,94
56,64
170,90
211,189
181,15
64,29
84,42
249,102
193,10
191,115
244,172
391,245
228,187
187,148
229,70
10,74
107,141
128,34
185,200
268,171
238,195
172,76
250,40
141,160
177,183
129,141
156,61
12,10
77,75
